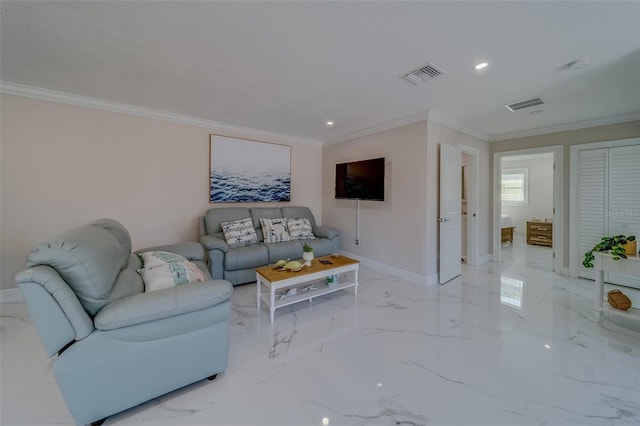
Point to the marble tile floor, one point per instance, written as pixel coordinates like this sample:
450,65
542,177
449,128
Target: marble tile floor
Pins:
521,253
503,344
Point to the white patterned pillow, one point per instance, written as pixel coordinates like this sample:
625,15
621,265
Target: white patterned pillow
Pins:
239,233
151,259
300,229
274,230
170,274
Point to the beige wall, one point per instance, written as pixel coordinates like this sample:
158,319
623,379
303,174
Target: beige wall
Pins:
63,166
402,231
610,132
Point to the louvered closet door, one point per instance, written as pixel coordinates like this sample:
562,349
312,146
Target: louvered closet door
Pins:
608,200
624,197
592,202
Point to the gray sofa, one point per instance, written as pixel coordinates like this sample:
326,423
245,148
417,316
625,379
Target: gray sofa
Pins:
118,346
237,265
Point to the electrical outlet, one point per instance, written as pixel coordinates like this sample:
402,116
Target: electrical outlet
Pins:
357,242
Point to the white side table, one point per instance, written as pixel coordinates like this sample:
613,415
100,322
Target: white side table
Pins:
604,262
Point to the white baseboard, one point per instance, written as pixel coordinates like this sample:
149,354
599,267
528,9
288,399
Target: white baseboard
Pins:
11,295
392,270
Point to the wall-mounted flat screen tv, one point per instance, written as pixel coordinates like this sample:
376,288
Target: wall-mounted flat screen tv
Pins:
360,180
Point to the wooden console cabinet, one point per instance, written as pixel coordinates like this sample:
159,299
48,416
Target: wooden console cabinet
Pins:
540,232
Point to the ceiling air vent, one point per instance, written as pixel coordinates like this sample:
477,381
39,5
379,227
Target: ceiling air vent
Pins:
515,106
422,74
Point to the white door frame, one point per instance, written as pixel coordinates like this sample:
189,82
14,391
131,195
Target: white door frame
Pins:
472,203
558,199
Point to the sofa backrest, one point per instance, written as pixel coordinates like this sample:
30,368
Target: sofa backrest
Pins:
214,217
297,212
88,258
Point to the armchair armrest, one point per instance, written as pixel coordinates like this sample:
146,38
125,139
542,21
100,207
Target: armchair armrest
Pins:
326,232
214,243
191,250
165,303
55,310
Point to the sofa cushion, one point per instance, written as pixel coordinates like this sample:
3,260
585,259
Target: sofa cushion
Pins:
119,232
88,258
239,233
147,307
246,257
284,250
300,229
274,230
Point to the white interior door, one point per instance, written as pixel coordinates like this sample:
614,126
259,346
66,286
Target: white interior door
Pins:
450,206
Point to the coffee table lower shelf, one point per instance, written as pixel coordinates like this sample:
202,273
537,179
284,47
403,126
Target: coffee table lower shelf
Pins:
347,276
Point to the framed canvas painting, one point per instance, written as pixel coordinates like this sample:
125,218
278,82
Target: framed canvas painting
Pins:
242,170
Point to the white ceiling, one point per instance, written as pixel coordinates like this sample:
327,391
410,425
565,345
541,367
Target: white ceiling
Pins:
286,67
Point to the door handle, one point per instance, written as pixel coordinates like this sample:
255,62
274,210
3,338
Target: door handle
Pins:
443,219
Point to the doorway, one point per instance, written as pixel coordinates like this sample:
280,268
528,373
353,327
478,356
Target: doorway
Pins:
466,199
535,219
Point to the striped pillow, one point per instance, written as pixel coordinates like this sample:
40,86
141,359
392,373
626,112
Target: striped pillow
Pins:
239,233
300,229
274,230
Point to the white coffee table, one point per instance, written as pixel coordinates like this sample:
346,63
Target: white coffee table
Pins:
302,281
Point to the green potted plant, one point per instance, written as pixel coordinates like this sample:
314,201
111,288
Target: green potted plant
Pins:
618,246
307,254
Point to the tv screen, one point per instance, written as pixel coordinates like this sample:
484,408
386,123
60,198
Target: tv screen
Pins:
360,180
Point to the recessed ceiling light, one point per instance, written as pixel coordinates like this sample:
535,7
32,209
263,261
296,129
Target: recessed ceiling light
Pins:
481,65
329,123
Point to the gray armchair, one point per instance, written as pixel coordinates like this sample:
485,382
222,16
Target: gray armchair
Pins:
116,345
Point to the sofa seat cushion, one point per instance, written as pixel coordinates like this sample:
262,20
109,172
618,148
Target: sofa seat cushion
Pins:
246,257
166,303
284,250
88,258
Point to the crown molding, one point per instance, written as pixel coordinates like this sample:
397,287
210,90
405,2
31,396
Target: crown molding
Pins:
440,118
428,114
402,121
83,101
576,125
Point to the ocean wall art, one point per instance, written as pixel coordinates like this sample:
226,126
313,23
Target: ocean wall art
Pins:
248,171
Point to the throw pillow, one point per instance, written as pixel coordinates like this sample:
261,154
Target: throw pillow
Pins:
239,233
274,230
300,229
151,259
170,275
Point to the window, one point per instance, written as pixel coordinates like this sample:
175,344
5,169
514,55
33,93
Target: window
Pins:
514,187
